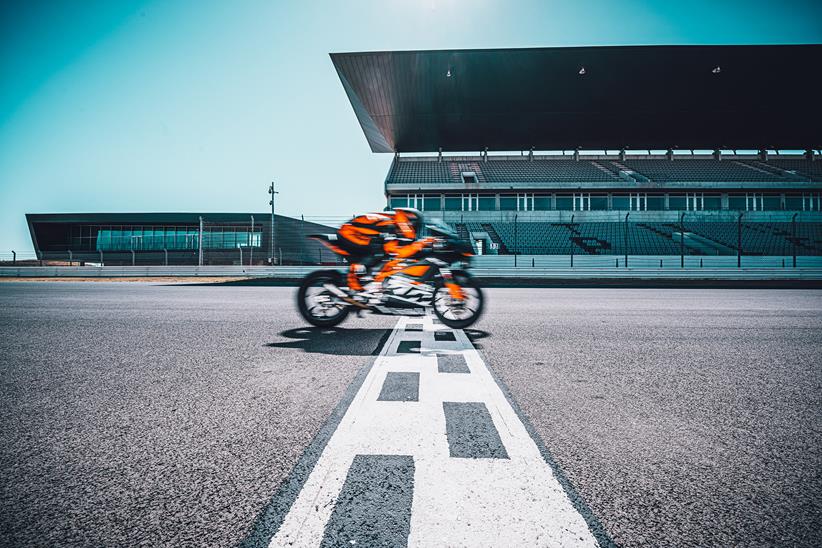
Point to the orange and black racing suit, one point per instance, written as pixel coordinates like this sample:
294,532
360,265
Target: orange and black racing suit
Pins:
370,237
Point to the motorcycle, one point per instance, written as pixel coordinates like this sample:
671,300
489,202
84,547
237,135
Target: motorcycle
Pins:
435,279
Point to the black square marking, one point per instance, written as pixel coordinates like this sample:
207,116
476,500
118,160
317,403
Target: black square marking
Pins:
471,432
444,336
408,347
400,387
452,363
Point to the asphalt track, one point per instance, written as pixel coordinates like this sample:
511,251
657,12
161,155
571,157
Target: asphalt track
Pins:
142,414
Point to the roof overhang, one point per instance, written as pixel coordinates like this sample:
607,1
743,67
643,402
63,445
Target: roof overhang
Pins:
633,97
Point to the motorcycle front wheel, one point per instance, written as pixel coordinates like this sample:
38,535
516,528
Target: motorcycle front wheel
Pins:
319,306
463,312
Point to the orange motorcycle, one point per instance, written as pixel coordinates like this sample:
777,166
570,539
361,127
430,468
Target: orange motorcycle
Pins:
435,279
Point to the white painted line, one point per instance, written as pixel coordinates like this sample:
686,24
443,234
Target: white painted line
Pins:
456,501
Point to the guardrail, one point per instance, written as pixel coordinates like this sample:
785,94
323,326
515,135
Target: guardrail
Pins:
810,271
676,262
228,271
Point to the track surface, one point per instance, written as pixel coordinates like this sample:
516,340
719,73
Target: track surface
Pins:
145,414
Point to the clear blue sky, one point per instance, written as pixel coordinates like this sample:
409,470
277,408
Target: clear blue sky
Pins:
180,105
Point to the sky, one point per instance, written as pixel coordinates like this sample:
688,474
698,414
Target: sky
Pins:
184,105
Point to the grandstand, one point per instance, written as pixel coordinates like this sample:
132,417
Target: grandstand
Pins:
712,159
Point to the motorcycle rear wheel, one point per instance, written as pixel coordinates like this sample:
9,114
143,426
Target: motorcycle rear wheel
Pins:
455,314
317,305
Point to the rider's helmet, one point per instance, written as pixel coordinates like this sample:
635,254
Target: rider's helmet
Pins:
409,222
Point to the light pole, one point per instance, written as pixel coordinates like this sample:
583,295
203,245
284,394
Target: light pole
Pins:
251,250
626,240
793,237
739,241
271,203
570,239
200,244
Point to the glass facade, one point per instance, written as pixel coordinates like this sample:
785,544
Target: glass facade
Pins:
172,238
583,201
508,203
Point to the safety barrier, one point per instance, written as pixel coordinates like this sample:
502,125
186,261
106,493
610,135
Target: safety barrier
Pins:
808,268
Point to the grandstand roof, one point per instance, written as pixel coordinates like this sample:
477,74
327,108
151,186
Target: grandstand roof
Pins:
634,97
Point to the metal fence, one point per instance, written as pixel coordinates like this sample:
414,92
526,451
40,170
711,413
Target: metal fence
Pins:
683,242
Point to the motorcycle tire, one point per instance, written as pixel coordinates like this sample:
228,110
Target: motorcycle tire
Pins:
464,280
312,280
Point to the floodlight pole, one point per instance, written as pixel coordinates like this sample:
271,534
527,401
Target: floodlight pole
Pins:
572,242
793,237
271,203
200,244
682,239
626,239
13,258
739,241
251,243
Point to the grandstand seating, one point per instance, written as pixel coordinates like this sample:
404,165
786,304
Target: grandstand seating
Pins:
564,170
696,170
608,238
806,168
499,171
514,171
762,238
420,172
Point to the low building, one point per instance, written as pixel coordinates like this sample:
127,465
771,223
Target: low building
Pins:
176,238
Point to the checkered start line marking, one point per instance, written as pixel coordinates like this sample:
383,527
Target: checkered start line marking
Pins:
431,453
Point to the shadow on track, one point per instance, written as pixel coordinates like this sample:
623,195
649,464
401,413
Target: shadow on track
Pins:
337,341
475,335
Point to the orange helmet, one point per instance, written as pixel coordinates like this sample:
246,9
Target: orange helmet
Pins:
409,221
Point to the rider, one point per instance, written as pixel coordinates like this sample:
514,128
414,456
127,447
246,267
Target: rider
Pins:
369,238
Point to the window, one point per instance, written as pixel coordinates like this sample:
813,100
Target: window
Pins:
469,177
598,202
655,202
793,202
695,202
173,238
771,202
469,202
621,202
525,202
542,202
565,202
737,201
508,203
453,203
712,201
677,202
431,203
398,201
487,203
